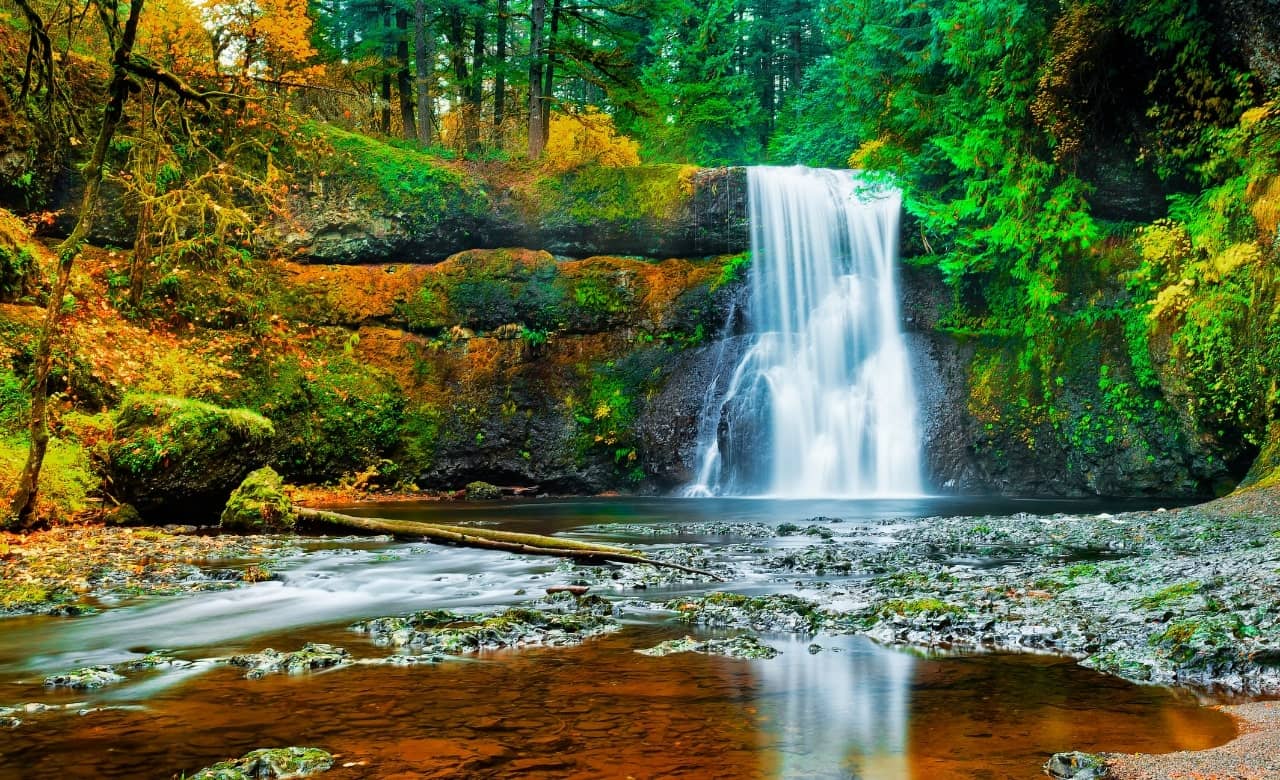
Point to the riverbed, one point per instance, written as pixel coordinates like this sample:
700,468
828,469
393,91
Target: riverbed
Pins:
830,704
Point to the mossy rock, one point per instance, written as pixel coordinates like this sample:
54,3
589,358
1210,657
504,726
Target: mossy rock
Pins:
181,455
483,491
19,264
278,763
259,505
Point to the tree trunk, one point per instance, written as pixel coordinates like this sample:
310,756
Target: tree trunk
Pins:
489,539
461,102
476,93
548,87
424,54
537,140
388,52
500,66
23,503
403,85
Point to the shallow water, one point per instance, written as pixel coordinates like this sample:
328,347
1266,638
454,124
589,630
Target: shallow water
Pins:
847,709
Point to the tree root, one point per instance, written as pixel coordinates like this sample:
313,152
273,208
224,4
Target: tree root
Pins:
489,539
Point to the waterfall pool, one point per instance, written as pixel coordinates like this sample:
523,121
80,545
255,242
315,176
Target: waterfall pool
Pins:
827,706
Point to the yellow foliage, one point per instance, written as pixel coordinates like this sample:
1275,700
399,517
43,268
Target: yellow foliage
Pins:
1233,257
1165,243
587,137
270,34
864,154
1172,299
1265,195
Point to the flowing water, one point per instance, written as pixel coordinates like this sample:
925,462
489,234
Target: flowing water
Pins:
844,709
822,403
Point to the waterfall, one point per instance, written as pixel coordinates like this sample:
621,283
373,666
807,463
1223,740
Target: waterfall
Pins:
822,403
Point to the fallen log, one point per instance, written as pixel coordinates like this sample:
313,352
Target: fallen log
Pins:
490,539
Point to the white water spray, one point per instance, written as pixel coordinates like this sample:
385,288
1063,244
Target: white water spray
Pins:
822,404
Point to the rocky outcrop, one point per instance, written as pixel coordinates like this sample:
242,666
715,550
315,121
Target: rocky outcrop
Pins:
985,432
180,455
649,211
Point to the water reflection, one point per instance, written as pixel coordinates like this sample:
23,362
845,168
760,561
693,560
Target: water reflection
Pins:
841,711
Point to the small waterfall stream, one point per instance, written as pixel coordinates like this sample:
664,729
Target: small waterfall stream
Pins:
822,403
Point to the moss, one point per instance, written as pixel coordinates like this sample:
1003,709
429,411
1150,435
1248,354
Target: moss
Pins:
18,265
921,606
592,195
331,417
1170,594
259,505
67,480
400,179
29,596
153,432
483,491
273,762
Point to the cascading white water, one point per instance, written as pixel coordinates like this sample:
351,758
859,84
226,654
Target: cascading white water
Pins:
822,404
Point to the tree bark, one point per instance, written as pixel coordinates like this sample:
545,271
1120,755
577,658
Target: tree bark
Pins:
424,54
476,93
500,66
23,503
489,539
537,17
548,87
403,84
388,52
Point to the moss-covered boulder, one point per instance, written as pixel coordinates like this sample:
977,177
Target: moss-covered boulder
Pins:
483,491
277,763
19,259
182,456
259,505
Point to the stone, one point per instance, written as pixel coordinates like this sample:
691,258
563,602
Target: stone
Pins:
1076,766
84,678
734,647
179,455
259,505
278,763
311,657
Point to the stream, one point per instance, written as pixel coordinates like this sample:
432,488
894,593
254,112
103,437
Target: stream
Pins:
827,707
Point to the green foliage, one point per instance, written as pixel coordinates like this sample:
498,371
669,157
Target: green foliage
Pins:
1170,594
330,418
626,197
734,270
67,480
397,177
17,268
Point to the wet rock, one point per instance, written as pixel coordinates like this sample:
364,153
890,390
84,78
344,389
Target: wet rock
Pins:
733,647
85,678
259,505
311,657
780,613
281,763
1076,766
154,660
559,620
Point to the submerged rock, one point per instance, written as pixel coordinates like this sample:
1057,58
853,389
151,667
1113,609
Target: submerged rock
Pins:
733,647
279,763
311,657
85,678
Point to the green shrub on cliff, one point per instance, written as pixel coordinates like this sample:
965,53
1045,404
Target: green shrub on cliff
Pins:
593,195
331,417
400,178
